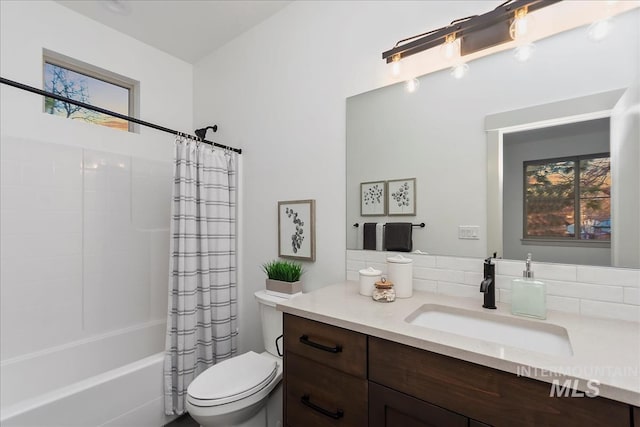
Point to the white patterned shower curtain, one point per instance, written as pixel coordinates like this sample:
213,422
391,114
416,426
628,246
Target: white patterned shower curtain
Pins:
202,312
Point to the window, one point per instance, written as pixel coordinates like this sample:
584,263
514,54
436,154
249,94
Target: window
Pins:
82,82
568,198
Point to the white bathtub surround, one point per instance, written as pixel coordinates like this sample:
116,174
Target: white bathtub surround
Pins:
67,383
202,322
604,350
605,292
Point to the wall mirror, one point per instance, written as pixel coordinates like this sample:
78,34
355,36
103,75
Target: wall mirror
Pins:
450,136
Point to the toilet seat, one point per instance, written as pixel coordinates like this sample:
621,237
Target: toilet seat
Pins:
232,380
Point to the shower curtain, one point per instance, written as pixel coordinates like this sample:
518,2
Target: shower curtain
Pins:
202,312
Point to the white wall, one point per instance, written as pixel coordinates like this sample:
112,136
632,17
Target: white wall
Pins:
278,91
85,208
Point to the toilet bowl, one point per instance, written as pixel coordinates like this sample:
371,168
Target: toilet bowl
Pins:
234,393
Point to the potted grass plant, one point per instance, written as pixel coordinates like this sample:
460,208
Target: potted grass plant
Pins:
283,276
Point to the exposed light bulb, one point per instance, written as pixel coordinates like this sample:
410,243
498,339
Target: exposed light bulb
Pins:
599,30
395,65
119,7
524,52
412,85
520,25
459,71
450,49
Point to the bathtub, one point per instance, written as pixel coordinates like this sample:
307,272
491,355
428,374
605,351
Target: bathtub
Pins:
114,379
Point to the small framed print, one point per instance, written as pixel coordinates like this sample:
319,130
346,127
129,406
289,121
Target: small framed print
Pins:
373,198
297,229
402,196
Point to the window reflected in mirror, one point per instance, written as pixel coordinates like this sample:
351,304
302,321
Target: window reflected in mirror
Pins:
557,191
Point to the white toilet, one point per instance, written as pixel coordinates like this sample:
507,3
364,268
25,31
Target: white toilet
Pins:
235,392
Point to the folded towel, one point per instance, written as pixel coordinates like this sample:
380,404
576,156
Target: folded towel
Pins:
379,236
359,237
369,236
398,236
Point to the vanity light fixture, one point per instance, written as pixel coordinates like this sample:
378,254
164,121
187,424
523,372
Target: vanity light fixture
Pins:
119,7
599,30
520,25
524,52
459,71
473,33
412,85
451,47
395,66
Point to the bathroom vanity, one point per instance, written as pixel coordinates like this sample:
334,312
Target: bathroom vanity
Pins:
350,361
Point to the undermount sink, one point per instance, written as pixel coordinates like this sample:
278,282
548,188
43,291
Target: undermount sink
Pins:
520,333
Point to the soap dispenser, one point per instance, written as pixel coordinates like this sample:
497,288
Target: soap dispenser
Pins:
528,296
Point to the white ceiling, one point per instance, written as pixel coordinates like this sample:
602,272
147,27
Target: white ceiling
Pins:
187,29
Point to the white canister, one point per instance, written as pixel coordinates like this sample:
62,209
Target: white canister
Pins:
368,278
400,273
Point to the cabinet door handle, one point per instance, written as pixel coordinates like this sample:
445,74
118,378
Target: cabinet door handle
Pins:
305,340
306,400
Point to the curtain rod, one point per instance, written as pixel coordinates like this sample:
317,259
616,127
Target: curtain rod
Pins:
109,112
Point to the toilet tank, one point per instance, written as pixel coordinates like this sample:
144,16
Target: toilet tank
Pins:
271,320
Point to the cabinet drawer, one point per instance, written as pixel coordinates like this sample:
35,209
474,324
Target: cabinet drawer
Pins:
317,395
338,348
484,394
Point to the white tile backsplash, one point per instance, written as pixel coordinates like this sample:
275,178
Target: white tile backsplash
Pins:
566,304
505,295
504,282
356,255
473,278
352,275
440,275
423,260
464,264
585,291
509,268
354,265
377,256
554,271
632,296
609,276
604,292
425,285
458,290
610,310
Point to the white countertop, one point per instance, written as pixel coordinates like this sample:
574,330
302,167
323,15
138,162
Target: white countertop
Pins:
607,351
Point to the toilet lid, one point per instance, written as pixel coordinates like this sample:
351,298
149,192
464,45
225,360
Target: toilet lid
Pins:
233,379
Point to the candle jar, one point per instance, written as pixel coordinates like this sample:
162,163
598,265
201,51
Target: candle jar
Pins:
384,291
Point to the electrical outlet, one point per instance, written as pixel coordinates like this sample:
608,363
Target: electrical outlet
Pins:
469,232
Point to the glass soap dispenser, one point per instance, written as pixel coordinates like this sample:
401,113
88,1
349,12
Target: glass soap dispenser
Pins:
528,296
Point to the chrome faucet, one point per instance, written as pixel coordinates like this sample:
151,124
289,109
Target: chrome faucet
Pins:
488,284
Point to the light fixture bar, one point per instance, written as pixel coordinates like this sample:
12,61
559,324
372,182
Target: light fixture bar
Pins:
464,28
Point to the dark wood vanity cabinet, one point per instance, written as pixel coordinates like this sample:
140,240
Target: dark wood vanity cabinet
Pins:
390,408
338,377
483,394
325,375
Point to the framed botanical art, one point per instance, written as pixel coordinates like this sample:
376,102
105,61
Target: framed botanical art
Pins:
373,198
402,196
297,229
